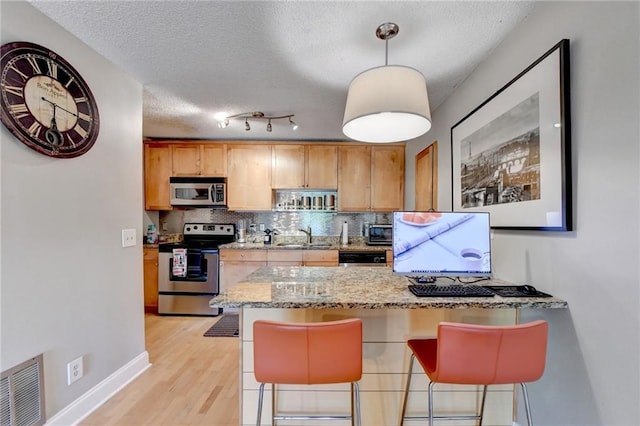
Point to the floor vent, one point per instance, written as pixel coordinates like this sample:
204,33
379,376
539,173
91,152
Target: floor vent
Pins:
22,394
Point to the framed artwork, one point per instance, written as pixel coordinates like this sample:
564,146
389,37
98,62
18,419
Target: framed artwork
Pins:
511,155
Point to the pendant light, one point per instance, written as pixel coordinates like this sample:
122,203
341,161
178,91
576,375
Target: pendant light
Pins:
388,103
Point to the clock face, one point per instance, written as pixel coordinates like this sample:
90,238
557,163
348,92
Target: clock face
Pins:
45,102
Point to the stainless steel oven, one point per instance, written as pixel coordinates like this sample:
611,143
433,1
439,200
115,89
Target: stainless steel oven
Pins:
187,289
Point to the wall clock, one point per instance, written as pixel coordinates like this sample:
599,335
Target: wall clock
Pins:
46,104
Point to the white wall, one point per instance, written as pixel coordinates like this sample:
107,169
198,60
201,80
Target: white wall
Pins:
593,370
68,287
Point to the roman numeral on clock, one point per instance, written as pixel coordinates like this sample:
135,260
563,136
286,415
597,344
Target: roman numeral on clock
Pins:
19,111
18,91
34,129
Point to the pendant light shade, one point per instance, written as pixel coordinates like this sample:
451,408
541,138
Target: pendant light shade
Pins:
387,103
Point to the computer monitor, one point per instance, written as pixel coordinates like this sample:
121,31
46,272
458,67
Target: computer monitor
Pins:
441,244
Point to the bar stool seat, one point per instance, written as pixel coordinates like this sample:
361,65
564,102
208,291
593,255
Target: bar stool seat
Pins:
308,353
484,355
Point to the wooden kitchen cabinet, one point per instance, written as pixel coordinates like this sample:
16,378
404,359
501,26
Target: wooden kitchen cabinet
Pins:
157,170
249,177
354,178
387,178
371,178
150,256
305,166
320,257
195,159
236,264
284,257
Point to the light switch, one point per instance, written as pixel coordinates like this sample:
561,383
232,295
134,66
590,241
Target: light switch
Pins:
128,237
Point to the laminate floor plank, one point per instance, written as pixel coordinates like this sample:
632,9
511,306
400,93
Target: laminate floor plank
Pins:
193,380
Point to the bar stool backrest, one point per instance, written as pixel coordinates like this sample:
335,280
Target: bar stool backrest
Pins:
479,354
307,353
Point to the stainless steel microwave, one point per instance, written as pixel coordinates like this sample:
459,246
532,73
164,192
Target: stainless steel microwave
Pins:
198,191
380,235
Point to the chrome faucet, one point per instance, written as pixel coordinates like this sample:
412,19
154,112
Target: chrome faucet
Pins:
308,232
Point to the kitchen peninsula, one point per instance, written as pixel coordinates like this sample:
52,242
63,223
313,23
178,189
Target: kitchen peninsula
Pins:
390,315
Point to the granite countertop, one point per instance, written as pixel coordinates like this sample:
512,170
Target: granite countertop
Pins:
353,287
302,246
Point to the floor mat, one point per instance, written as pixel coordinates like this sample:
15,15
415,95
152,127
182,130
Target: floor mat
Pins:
226,326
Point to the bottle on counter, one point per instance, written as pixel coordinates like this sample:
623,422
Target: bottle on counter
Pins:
152,234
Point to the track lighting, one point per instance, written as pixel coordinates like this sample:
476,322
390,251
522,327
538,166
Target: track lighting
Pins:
257,115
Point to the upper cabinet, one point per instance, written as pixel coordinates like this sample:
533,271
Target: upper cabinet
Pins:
249,177
354,178
305,166
387,178
157,170
366,177
371,178
196,159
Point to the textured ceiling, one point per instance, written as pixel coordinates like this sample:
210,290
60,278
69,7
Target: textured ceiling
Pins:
199,58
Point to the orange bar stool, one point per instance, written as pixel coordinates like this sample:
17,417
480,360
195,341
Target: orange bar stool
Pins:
484,355
308,353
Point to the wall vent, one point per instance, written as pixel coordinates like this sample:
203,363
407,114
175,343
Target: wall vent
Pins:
22,394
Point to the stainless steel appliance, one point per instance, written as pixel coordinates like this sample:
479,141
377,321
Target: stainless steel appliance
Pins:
198,191
188,292
380,235
362,258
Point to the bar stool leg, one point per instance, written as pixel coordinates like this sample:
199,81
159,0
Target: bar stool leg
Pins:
431,403
406,389
484,398
274,404
357,392
527,409
260,396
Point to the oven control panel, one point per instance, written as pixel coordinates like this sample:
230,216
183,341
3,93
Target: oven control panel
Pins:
212,229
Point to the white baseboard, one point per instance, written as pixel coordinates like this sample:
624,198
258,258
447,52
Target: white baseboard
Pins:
75,412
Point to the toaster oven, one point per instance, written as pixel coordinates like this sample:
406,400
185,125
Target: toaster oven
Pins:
380,235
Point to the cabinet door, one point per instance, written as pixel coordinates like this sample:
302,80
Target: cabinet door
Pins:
150,280
284,257
288,166
249,177
320,257
387,178
235,265
213,160
354,178
186,160
157,170
322,167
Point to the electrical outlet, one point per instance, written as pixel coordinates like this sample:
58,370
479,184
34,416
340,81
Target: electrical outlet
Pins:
74,370
128,237
262,228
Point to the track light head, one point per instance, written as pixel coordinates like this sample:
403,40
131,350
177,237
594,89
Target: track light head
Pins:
269,126
222,124
246,125
293,125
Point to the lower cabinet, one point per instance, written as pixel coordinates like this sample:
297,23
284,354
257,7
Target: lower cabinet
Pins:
320,257
284,257
235,264
150,256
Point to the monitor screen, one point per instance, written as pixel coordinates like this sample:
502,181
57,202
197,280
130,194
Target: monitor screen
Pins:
441,244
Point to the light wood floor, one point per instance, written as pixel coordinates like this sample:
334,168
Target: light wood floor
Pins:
193,379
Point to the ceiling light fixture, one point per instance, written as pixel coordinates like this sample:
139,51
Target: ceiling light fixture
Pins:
387,103
256,115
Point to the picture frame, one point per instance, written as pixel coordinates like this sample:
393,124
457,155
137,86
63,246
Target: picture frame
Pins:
511,156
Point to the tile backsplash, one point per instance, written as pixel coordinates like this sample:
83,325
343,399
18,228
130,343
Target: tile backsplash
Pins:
287,223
